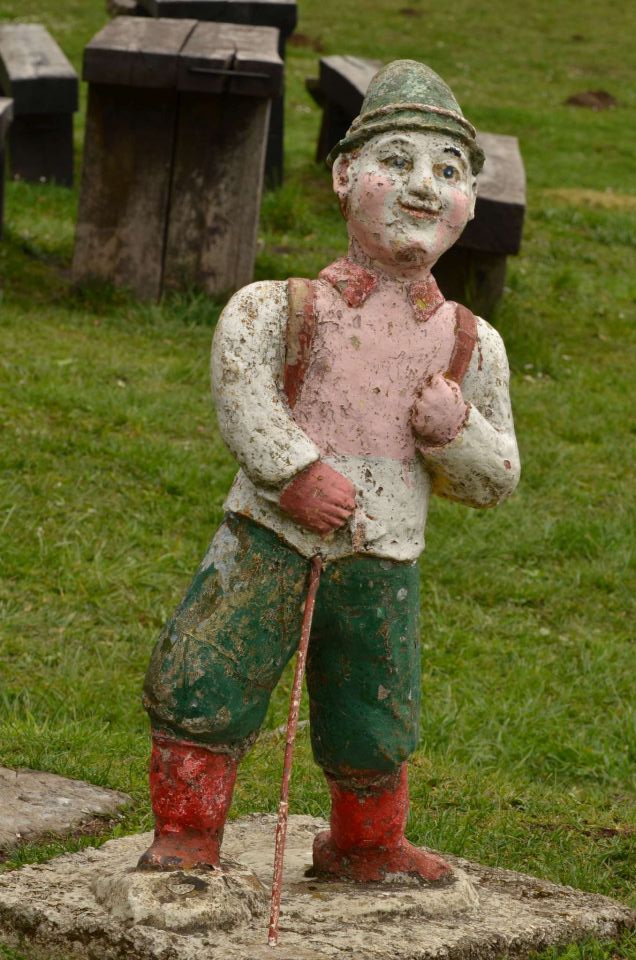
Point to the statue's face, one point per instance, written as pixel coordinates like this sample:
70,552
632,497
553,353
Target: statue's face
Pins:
407,197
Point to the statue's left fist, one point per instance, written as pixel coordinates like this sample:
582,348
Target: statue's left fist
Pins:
439,411
319,498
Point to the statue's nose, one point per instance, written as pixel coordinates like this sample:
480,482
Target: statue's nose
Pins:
423,187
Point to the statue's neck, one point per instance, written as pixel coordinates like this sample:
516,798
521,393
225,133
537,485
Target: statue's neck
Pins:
401,273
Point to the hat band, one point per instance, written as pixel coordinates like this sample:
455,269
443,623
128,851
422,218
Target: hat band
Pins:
421,107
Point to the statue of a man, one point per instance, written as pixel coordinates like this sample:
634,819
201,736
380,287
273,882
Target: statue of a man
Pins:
347,400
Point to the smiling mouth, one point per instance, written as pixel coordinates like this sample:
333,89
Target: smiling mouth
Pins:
419,211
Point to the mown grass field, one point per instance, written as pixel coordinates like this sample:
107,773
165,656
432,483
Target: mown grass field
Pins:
113,473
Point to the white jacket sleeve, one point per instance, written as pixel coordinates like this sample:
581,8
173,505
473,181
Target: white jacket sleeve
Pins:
480,467
248,358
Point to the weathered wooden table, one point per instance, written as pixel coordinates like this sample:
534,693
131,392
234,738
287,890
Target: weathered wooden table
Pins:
282,14
44,87
472,272
6,116
174,153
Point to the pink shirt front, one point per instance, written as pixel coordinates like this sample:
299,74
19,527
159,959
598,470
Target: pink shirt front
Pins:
367,362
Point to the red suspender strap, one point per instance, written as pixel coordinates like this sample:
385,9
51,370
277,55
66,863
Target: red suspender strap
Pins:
465,340
301,322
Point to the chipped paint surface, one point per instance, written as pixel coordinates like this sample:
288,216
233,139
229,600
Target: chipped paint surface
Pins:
191,790
222,653
224,649
366,840
347,400
367,364
403,211
480,466
319,498
247,371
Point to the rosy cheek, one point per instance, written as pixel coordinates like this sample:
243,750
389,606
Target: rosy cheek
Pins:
454,219
374,196
458,208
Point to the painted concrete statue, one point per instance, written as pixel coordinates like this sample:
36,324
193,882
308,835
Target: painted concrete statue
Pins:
347,400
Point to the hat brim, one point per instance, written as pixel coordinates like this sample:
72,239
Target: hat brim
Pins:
408,121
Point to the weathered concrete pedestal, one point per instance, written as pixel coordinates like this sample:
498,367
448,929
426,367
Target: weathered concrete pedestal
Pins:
94,905
35,805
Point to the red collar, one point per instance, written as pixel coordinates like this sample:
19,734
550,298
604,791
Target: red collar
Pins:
355,284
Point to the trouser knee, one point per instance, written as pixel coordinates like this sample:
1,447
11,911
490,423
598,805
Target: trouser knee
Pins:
363,669
222,653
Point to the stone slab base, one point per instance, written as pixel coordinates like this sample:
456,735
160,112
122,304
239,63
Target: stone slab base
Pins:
34,804
94,906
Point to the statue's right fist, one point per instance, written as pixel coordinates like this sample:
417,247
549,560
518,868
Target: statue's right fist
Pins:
439,411
319,498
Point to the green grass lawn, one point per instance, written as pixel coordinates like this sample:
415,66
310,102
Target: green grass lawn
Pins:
113,472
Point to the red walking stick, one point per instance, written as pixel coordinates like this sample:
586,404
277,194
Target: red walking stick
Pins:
292,725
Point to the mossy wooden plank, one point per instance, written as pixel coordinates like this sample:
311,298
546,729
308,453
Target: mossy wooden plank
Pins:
125,187
216,190
137,52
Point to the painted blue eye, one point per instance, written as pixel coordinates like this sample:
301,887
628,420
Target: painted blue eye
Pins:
399,162
449,172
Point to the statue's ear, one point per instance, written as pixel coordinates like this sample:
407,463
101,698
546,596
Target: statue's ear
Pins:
473,197
341,174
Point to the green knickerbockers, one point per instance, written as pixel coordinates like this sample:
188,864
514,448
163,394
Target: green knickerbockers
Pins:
221,655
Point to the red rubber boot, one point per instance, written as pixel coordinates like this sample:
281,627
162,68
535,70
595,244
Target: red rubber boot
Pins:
191,790
366,842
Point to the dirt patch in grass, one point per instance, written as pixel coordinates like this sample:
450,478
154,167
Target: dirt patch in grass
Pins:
303,40
592,99
601,199
585,830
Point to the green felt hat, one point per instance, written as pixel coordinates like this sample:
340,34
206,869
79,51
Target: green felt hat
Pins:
407,95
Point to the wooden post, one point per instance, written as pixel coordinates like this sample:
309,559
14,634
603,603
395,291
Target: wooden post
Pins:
6,115
44,88
130,126
218,161
125,187
174,151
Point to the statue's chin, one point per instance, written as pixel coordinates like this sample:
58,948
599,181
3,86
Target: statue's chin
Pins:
416,256
411,254
401,254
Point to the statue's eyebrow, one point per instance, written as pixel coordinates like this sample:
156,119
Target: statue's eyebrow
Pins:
396,139
456,152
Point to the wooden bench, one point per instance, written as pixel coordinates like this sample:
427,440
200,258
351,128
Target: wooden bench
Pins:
474,270
44,88
6,116
174,153
281,14
339,91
